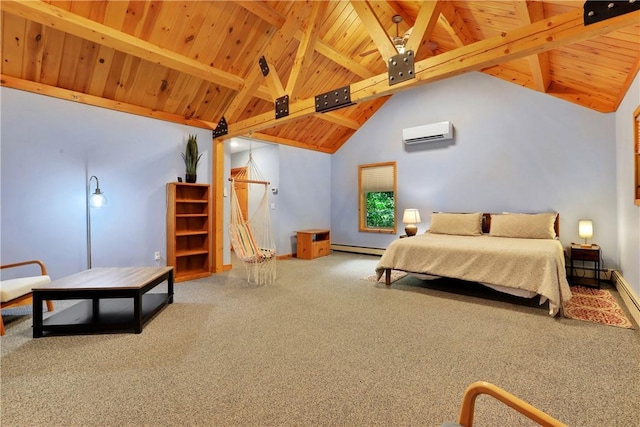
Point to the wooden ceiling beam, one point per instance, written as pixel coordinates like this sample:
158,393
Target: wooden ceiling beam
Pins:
339,119
531,39
423,27
328,51
306,48
96,101
263,11
62,20
376,30
274,83
529,12
454,25
273,50
290,142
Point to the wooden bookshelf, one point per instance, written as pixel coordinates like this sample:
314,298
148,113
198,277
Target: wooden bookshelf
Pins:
188,229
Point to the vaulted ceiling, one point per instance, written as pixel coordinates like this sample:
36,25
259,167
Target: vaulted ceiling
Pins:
195,62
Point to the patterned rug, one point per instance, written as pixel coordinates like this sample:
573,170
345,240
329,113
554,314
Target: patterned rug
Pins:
395,275
595,305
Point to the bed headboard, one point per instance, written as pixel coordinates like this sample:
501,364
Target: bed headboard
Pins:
486,223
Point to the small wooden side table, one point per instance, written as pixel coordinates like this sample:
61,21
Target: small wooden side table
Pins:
585,254
313,243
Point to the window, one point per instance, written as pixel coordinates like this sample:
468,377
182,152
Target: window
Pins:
377,193
636,155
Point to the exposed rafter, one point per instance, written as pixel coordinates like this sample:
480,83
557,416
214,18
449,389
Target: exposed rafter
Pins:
306,48
423,27
273,49
376,30
530,12
60,19
521,42
455,26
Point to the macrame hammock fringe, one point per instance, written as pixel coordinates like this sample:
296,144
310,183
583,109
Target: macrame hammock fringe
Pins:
252,239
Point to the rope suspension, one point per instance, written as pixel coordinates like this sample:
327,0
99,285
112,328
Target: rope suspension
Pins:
252,238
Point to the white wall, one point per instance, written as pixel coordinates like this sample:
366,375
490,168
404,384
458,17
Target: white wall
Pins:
50,147
305,194
304,191
515,150
628,249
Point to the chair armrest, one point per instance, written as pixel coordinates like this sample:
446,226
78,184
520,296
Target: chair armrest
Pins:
43,268
482,387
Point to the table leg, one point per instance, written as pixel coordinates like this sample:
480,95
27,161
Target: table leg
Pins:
170,287
95,310
137,313
37,315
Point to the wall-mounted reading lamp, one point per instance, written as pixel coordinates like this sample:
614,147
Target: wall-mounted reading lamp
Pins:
95,200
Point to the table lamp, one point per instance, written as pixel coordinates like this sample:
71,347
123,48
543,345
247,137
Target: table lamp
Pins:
585,231
411,217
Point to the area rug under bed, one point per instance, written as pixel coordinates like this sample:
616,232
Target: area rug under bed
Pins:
595,305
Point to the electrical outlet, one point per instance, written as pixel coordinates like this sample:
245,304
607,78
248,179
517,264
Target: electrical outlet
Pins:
157,256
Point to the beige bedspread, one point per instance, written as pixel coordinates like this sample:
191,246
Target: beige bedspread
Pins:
535,265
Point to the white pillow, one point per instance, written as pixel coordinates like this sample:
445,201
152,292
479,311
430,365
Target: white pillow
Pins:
527,226
461,224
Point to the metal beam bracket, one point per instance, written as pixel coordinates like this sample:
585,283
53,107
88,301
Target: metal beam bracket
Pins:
264,67
282,107
221,129
334,99
401,68
596,11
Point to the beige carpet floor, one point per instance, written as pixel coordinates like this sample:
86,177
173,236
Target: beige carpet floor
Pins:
322,347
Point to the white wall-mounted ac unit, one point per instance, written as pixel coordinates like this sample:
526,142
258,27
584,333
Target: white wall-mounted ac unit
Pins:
426,133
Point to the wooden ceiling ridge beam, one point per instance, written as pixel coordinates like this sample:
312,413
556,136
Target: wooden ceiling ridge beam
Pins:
529,12
306,48
423,28
62,20
528,40
376,30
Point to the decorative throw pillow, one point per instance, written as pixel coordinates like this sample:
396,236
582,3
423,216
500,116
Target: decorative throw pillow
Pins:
526,226
462,224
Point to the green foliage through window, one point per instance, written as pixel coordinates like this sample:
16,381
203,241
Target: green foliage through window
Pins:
380,209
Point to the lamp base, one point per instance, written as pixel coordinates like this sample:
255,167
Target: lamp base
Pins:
586,245
411,229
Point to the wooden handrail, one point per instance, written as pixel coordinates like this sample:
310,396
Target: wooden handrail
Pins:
43,268
482,387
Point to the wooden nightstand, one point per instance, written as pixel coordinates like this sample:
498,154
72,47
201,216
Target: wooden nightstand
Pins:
313,243
585,254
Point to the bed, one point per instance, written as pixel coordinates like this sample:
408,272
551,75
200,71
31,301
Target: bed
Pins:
519,254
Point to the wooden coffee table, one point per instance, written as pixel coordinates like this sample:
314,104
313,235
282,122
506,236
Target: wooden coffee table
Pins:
114,300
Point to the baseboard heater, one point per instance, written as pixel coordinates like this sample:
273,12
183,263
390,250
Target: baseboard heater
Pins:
357,249
631,300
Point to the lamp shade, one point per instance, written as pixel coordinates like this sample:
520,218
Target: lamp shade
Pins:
97,199
411,216
585,228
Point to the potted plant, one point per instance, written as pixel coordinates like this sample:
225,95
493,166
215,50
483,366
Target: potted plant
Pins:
191,158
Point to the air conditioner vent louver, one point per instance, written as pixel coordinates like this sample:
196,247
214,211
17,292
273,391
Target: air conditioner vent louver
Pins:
434,132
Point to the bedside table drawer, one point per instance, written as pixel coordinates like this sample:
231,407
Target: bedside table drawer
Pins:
579,254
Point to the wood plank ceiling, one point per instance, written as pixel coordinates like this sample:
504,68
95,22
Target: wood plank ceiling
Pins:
194,62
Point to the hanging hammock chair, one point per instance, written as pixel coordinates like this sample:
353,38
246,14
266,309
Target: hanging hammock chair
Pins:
251,238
